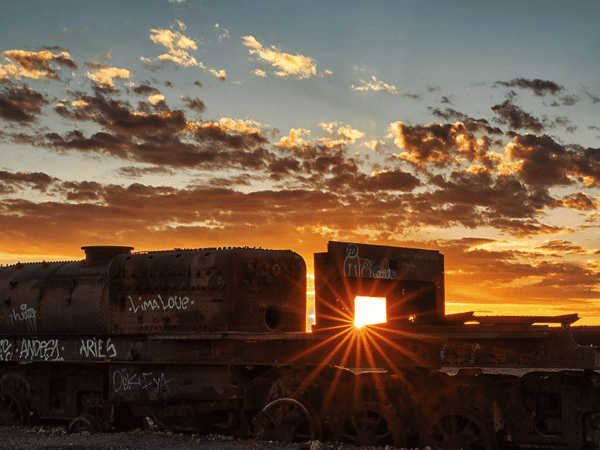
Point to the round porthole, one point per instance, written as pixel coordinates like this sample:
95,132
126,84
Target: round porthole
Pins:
272,318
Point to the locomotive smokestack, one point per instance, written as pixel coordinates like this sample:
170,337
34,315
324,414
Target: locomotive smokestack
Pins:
95,254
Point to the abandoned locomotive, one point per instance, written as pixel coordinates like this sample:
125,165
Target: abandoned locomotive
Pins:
214,339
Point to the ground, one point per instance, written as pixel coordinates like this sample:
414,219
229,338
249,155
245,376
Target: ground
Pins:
43,438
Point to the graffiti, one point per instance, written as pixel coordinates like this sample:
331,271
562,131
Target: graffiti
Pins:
354,266
174,302
147,382
47,350
26,315
97,348
6,348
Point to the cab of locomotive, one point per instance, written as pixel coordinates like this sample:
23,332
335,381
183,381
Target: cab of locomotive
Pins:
405,284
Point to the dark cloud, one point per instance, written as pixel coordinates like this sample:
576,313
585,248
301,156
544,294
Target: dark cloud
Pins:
579,201
491,198
13,182
569,100
21,104
387,181
440,145
472,125
539,87
119,116
411,96
559,247
145,89
595,99
194,104
545,162
138,172
95,65
517,119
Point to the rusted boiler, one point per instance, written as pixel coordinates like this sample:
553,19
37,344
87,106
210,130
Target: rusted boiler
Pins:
214,340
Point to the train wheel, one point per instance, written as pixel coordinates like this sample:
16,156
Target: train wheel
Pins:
13,409
85,422
288,420
371,423
459,428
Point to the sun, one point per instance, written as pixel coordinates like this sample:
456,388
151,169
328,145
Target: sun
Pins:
369,310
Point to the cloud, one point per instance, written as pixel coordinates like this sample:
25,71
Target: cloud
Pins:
287,64
21,104
516,118
565,247
388,180
104,77
194,104
138,172
347,133
177,45
579,201
223,32
472,125
156,98
440,145
294,139
539,87
13,182
542,161
35,65
375,85
219,74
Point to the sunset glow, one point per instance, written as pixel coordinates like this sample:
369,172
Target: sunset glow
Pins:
369,310
188,124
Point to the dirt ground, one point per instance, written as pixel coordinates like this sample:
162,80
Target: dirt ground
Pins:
43,438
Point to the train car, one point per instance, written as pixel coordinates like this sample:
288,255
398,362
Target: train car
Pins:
214,340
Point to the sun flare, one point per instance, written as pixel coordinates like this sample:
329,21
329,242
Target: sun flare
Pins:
369,310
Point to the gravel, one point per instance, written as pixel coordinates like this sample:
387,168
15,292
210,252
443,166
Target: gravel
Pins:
45,438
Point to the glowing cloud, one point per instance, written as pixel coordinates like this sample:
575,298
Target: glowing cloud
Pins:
177,44
294,139
220,74
105,76
302,66
35,65
375,85
157,98
350,133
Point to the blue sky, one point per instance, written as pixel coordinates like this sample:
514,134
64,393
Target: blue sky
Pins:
468,127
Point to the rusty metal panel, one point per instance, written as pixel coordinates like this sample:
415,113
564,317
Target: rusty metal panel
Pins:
74,300
207,290
142,382
180,290
268,291
20,290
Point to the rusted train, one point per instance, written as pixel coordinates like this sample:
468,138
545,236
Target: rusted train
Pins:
214,340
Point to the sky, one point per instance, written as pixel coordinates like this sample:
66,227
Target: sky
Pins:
467,127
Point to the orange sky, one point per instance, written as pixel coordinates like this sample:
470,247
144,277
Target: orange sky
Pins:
187,124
